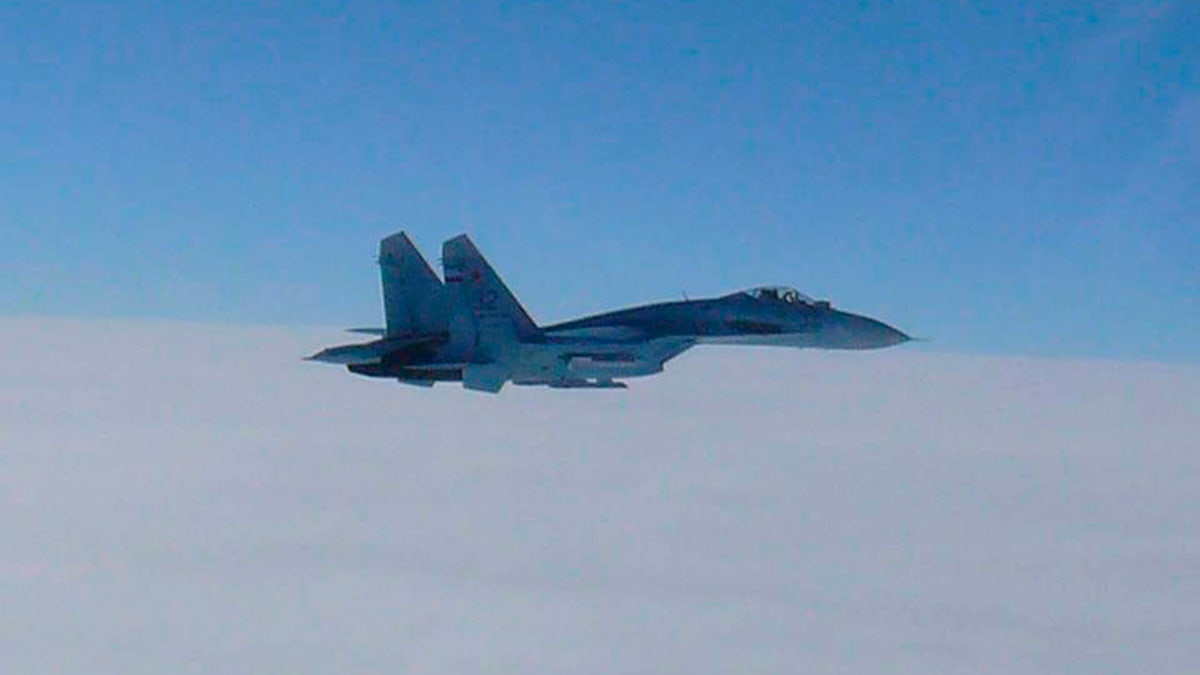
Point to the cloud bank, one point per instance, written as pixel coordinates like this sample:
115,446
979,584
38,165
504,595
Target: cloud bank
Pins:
195,499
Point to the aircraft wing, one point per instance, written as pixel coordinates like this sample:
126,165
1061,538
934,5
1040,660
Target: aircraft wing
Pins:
609,333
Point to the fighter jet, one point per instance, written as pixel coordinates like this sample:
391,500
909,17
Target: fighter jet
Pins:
468,327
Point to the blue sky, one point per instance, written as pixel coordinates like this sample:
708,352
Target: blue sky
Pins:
1010,178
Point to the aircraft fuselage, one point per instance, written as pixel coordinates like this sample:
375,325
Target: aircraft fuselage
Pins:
471,329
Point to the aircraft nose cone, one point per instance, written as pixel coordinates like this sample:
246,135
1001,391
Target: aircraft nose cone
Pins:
860,332
891,336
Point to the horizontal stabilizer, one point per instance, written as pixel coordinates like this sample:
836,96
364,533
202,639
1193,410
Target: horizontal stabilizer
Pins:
368,331
369,352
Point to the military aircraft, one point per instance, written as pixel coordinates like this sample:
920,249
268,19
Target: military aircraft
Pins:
469,328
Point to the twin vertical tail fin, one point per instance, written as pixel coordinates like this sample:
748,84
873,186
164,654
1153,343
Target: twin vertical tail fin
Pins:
498,314
473,316
414,301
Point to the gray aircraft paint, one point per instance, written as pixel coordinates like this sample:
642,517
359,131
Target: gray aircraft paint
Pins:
470,328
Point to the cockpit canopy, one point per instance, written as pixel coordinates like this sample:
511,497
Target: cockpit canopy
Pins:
785,294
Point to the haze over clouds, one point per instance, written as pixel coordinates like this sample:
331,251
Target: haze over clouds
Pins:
191,498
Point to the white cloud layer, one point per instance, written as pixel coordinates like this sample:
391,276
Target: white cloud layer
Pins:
195,499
